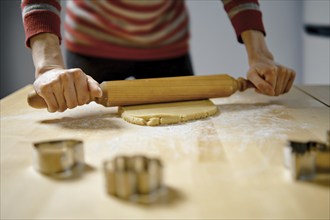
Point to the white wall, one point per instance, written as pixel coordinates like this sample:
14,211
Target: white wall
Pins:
216,50
316,57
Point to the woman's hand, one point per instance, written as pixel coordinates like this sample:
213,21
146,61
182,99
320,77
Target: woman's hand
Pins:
270,78
66,88
60,88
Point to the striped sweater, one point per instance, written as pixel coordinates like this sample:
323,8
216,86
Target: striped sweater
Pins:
128,29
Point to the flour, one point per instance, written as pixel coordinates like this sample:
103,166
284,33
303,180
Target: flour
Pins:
238,125
257,123
175,140
241,124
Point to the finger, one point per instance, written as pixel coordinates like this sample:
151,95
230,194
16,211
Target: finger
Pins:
50,99
81,87
47,94
286,80
58,93
69,91
257,91
280,81
290,81
262,85
94,87
270,75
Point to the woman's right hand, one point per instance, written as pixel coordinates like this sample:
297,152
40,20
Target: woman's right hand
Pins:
65,88
60,88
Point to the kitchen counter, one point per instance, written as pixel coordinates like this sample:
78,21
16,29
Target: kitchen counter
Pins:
227,166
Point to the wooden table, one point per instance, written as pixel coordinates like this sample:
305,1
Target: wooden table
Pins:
227,166
318,92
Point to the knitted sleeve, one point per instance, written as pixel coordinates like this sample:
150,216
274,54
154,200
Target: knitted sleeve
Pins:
244,15
41,16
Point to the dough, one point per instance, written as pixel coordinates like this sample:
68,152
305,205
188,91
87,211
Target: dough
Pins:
167,113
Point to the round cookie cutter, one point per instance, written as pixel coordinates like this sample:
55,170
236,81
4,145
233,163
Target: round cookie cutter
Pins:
60,158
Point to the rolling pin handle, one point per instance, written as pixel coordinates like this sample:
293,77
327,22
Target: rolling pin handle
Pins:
243,84
36,101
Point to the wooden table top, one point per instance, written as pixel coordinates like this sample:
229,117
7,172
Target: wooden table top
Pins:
318,92
226,166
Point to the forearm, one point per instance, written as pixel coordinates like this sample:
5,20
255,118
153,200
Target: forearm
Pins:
255,45
46,53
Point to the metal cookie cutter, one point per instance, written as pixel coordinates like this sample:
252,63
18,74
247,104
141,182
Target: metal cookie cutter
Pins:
135,178
307,159
61,159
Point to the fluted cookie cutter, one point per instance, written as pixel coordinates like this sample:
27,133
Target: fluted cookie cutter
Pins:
61,158
307,159
135,178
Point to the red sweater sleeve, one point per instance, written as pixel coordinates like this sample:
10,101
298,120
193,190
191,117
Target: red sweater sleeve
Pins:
244,15
41,16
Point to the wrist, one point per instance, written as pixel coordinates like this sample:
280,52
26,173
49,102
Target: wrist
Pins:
260,57
256,47
40,70
46,53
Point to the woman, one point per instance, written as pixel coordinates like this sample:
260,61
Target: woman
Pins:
116,39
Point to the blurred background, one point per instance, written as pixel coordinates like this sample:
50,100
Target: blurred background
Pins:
297,35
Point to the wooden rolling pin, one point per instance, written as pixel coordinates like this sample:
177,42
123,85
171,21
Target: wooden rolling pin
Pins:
158,90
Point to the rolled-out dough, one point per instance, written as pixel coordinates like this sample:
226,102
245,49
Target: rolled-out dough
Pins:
167,113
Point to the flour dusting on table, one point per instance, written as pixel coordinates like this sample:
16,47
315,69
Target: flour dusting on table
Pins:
242,124
253,122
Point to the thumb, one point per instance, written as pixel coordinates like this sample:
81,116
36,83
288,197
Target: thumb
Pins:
261,84
94,87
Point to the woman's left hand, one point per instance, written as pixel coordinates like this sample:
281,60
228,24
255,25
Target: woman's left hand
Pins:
270,78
